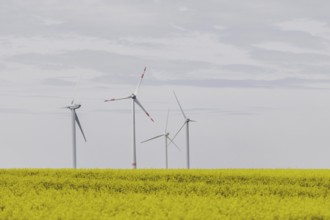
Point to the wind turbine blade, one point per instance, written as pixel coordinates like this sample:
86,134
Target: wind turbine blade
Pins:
185,117
75,91
116,99
145,111
174,143
78,122
142,75
153,138
179,130
168,113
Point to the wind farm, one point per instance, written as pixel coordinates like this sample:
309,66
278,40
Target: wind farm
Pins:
246,137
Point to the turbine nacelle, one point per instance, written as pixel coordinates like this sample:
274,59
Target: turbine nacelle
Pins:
189,120
73,107
75,118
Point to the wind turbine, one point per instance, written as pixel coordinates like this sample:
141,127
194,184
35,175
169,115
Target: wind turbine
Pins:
166,135
75,120
135,101
186,123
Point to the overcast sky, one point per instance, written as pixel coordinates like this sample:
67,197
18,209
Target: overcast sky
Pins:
255,75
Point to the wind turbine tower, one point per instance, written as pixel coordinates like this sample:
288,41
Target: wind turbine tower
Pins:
73,107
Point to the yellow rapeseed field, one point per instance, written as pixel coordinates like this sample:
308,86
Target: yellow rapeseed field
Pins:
164,194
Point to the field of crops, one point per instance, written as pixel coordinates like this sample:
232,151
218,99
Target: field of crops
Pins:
164,194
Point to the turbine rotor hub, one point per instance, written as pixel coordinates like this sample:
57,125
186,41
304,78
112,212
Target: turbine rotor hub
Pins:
133,96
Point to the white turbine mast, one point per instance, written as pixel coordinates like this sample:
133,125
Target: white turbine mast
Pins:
75,120
166,134
186,123
135,100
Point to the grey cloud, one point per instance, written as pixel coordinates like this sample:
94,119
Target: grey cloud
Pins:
57,82
212,110
115,67
123,111
317,10
288,58
225,83
122,18
245,24
106,19
144,45
6,84
38,96
311,68
2,66
123,69
100,61
148,18
253,34
248,23
182,68
241,68
43,61
15,110
193,111
293,83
